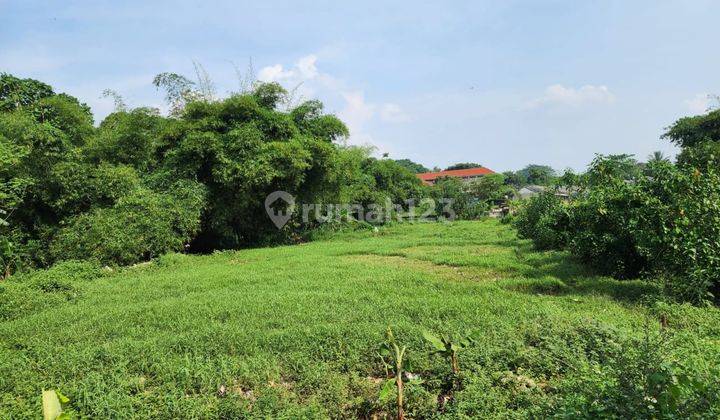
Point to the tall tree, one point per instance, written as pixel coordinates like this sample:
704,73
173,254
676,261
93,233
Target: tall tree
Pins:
698,136
536,175
490,188
657,156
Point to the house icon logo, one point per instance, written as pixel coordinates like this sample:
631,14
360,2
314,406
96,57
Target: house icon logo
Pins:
279,217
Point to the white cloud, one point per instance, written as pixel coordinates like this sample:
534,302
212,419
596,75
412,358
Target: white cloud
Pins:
306,66
300,78
559,95
304,69
357,113
698,104
274,74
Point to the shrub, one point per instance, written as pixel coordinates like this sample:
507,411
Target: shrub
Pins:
649,377
543,219
76,187
71,271
143,225
664,223
602,224
393,181
678,229
127,138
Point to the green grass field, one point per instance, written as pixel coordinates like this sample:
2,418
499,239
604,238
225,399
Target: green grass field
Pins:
294,331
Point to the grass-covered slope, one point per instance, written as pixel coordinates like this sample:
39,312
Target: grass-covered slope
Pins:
294,331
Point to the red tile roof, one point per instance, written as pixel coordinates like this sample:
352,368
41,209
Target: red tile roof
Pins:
461,173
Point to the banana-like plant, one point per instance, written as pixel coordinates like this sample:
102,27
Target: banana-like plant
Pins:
448,348
393,358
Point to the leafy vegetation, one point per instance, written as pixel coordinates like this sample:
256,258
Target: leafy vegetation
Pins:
293,331
290,331
393,357
531,175
412,166
697,136
449,349
465,165
544,219
142,184
658,220
491,189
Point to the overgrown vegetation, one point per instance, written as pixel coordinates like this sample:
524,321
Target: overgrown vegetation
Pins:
141,184
252,333
659,220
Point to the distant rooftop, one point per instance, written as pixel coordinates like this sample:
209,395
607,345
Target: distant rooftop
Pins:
457,173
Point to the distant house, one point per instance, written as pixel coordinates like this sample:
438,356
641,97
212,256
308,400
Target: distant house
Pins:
530,191
466,175
533,190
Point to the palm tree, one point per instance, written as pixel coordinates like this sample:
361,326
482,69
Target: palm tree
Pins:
657,156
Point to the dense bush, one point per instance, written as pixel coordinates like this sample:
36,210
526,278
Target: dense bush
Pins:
601,229
662,222
678,227
129,138
142,225
39,130
666,225
544,219
76,187
393,181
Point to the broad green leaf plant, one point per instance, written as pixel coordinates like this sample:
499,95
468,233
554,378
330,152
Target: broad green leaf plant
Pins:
53,403
393,358
449,349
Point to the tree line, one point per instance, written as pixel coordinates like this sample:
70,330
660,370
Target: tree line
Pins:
141,184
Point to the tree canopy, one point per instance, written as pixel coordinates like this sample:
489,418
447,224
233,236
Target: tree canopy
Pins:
412,166
464,165
141,184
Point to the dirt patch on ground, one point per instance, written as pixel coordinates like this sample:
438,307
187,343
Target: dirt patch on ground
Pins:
446,272
475,250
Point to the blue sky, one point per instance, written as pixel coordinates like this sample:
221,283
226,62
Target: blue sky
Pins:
502,83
